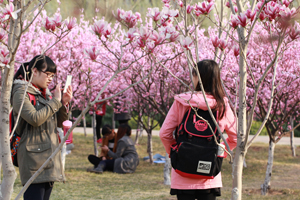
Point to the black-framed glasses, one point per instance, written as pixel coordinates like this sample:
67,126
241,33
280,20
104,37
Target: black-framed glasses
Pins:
48,74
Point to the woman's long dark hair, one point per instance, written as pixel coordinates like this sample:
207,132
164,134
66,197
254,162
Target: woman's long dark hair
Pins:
211,80
40,62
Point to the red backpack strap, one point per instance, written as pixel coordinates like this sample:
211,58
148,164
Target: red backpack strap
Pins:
32,98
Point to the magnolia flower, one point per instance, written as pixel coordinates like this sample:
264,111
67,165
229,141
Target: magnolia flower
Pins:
49,24
144,34
286,2
203,8
131,34
222,44
157,38
250,15
8,11
71,23
155,14
100,28
227,4
189,9
262,16
234,22
294,34
242,19
57,20
236,50
2,34
141,43
185,42
215,41
92,53
119,13
272,10
4,57
129,18
180,3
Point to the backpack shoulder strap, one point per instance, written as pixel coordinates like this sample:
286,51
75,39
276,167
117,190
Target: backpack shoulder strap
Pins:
32,98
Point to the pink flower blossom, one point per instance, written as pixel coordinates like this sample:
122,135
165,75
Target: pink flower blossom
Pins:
180,3
71,23
222,44
203,8
250,14
157,38
227,4
294,34
4,57
286,2
92,53
236,50
100,28
119,13
2,34
141,43
235,9
144,34
186,42
8,11
215,41
234,22
155,14
189,9
57,20
262,16
243,20
272,10
49,24
131,34
129,18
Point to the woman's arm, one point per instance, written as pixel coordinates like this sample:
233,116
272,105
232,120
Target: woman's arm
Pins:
30,114
230,128
172,120
120,150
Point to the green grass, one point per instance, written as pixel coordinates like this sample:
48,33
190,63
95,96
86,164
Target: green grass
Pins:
147,181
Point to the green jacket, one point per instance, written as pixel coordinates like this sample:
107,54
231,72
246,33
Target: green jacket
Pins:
39,133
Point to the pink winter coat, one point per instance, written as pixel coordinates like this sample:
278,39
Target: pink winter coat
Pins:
173,119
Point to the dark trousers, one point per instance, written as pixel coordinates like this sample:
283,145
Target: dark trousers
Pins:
39,191
109,164
210,196
98,126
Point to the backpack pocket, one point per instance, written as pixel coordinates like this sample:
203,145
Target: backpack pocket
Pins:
37,154
195,161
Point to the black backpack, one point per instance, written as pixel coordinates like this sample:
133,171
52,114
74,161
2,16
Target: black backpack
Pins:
195,154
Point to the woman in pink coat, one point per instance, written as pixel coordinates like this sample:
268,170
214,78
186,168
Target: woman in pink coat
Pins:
189,188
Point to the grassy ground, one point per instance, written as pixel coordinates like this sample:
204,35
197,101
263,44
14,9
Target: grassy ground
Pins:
147,182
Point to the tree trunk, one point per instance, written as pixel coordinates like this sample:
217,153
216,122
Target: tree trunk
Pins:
139,129
167,170
137,133
9,173
293,148
242,121
84,126
149,145
94,133
267,184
